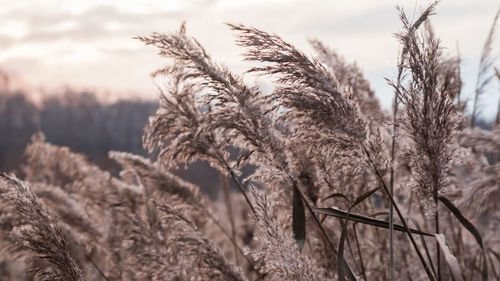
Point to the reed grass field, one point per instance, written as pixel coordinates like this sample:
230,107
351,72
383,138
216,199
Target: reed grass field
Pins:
317,180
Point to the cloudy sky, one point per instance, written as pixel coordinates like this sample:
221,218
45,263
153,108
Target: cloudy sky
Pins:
88,44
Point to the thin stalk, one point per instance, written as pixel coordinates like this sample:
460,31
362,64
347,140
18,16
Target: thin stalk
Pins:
401,217
497,119
492,266
424,244
233,176
478,268
349,244
99,270
359,252
391,208
438,251
456,235
408,212
242,189
227,199
393,157
474,106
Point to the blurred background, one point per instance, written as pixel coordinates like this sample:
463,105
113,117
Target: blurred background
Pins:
73,70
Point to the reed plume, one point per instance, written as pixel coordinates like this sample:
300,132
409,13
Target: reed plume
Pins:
40,235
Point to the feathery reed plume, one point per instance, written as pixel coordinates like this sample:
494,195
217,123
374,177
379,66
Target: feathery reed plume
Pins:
482,195
41,235
305,84
197,256
408,32
451,68
81,182
180,120
429,117
314,113
57,165
83,234
173,191
218,110
189,101
171,248
171,188
350,78
66,209
279,255
483,76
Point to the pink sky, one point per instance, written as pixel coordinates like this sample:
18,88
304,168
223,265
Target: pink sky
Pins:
88,44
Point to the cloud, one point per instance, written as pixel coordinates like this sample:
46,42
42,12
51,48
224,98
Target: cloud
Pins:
6,41
93,24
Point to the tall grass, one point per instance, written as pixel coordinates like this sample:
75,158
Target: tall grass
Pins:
330,168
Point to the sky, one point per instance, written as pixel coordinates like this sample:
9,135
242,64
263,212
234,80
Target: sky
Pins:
51,44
